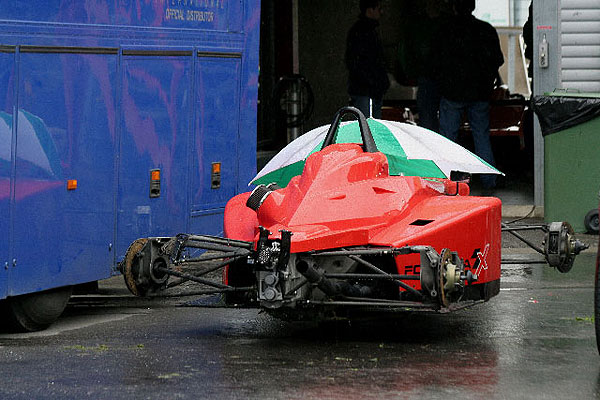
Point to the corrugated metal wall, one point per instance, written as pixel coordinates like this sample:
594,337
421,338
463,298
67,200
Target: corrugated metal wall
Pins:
580,42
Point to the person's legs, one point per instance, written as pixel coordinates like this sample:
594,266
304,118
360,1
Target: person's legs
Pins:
478,113
362,103
428,103
450,117
377,104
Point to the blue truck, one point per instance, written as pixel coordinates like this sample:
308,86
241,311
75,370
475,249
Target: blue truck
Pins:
118,120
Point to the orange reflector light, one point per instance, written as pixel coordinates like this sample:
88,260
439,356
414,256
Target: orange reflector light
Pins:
71,184
155,174
216,168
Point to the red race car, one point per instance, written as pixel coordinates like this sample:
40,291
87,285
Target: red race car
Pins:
345,238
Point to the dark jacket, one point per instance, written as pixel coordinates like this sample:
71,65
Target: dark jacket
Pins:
469,58
365,60
416,49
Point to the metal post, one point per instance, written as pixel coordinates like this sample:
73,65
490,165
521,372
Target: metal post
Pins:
512,35
294,105
511,46
293,109
511,61
295,41
545,78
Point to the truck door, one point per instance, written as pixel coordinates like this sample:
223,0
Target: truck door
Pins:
216,139
7,76
156,91
64,182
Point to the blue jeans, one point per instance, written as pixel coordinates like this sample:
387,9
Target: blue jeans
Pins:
478,114
428,104
362,103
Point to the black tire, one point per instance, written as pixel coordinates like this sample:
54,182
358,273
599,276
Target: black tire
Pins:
591,221
34,311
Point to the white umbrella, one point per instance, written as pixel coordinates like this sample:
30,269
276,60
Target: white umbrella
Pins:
411,150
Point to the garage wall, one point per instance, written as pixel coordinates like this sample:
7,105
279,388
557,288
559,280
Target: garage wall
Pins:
580,44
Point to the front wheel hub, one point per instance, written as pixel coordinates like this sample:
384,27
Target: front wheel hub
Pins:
561,247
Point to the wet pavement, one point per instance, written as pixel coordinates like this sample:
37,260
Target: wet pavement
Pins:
535,340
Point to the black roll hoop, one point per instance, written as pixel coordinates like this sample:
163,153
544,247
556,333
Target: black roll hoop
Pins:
367,137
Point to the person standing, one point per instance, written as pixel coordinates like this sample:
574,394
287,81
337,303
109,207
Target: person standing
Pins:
365,61
469,58
417,58
428,96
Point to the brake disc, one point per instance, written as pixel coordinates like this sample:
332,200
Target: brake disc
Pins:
450,275
131,266
560,246
445,260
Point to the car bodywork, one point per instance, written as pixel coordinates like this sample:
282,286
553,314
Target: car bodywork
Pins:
346,215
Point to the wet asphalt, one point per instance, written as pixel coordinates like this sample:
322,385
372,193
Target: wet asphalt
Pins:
535,340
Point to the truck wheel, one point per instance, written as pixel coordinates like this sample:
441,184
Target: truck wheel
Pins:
34,311
591,221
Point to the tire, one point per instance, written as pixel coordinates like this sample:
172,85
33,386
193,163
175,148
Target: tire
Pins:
591,221
35,311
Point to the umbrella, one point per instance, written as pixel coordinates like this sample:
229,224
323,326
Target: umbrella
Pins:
410,150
